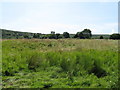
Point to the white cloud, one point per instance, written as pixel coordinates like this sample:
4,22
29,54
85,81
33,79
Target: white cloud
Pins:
107,28
38,22
104,28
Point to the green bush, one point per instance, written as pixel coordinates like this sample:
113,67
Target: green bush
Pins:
115,36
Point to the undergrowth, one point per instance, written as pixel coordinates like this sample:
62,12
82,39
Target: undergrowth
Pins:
25,65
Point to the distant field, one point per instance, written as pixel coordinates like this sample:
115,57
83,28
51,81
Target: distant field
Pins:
59,63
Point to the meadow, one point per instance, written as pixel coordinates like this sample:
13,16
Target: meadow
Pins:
59,63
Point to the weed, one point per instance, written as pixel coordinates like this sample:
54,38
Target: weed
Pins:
67,63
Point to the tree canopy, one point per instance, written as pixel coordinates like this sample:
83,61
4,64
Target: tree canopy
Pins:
101,37
85,34
115,36
66,35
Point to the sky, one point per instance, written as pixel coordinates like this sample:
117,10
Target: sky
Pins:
72,17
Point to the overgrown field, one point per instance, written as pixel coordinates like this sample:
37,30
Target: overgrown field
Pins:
61,63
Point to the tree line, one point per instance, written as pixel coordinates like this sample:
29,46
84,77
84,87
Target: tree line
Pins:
85,34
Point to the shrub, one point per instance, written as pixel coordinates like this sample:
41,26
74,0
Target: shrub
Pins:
101,37
66,35
115,36
35,61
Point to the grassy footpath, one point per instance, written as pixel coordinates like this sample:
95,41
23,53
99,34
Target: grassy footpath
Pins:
62,63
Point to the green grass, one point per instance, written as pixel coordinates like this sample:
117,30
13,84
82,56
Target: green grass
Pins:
62,63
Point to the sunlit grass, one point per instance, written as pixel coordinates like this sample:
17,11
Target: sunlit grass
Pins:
65,63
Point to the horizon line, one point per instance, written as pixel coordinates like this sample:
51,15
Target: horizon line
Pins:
58,32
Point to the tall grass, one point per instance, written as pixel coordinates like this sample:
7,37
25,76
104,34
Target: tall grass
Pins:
78,59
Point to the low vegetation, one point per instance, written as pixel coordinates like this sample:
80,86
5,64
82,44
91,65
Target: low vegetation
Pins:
59,63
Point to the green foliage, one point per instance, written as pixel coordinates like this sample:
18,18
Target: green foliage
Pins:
35,61
8,34
97,36
52,32
26,36
66,35
85,34
101,37
52,36
57,35
115,36
59,63
36,35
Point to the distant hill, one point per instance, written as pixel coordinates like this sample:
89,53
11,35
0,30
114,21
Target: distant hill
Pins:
97,36
10,34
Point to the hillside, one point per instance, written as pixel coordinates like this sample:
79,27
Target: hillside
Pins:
10,34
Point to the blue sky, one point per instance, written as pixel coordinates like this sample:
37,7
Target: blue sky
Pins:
43,17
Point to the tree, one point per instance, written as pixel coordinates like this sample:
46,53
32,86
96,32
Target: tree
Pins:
101,37
52,35
17,35
87,33
115,36
52,32
36,35
66,35
57,35
76,36
44,36
79,35
26,36
21,37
